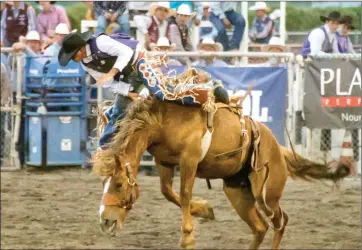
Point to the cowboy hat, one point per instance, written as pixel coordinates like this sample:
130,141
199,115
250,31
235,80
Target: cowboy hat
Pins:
163,42
32,35
333,16
157,5
275,14
348,21
184,9
209,41
62,29
259,6
274,42
72,43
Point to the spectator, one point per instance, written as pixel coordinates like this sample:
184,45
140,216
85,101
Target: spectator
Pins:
179,32
48,20
207,29
262,27
221,15
163,44
108,12
16,20
322,40
60,32
275,17
275,45
32,45
344,43
155,25
209,45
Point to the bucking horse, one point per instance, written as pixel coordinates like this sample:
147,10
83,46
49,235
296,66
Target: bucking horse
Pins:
213,140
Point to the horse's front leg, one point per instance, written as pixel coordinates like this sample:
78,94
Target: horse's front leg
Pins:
198,208
188,167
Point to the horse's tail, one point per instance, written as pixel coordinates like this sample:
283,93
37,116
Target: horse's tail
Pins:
300,167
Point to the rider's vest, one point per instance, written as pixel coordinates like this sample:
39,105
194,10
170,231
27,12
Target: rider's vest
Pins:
103,62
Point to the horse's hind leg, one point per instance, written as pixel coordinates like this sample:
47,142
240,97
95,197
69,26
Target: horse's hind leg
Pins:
279,221
198,208
243,202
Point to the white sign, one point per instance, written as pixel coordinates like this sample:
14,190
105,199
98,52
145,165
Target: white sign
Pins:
66,145
34,150
65,119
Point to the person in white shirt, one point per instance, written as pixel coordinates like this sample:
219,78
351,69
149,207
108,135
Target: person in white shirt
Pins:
322,40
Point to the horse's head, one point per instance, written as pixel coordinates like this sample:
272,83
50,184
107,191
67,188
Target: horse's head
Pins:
120,192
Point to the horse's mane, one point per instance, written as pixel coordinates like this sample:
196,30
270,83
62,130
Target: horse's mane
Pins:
142,115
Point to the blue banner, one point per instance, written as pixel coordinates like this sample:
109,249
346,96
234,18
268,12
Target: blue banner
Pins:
267,101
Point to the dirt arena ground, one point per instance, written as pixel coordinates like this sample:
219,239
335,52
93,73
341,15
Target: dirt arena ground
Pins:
59,209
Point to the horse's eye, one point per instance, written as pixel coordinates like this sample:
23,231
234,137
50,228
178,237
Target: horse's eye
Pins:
118,187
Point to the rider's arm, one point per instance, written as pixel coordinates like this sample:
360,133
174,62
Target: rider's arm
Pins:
115,48
121,88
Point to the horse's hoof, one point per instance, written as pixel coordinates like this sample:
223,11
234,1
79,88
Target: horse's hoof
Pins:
187,242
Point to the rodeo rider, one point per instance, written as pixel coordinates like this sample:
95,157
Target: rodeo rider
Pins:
111,61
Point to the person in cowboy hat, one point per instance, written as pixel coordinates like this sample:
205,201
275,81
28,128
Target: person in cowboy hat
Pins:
275,45
110,60
179,32
163,44
154,25
322,40
209,45
344,43
31,47
60,32
262,27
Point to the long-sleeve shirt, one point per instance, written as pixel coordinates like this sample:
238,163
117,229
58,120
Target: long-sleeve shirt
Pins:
175,37
218,8
113,48
316,39
101,7
30,14
49,21
266,29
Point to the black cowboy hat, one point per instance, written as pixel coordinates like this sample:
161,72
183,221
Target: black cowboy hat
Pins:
347,20
72,43
333,16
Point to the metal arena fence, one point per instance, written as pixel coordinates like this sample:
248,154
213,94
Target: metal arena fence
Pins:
316,144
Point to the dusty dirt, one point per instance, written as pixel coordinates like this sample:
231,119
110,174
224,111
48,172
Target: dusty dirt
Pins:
59,208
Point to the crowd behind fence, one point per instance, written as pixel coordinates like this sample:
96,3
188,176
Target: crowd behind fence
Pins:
313,143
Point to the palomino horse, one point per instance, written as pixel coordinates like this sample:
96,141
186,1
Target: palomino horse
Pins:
174,134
